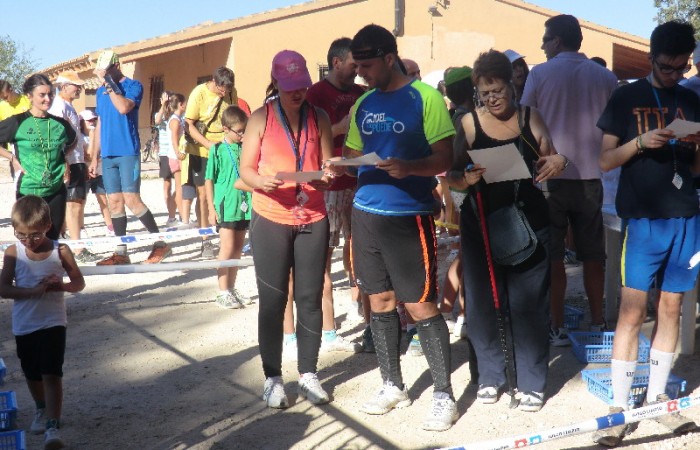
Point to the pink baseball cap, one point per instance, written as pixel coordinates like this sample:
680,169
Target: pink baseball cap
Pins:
290,72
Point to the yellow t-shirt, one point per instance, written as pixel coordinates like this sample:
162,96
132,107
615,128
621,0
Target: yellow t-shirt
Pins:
201,105
8,109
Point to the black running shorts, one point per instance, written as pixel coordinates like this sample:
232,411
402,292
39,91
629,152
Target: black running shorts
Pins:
395,253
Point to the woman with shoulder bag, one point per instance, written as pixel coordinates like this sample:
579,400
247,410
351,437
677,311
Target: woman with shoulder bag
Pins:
515,209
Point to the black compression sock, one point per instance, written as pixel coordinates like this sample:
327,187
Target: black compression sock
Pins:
435,341
147,219
386,332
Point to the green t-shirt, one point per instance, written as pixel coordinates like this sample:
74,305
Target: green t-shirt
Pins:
223,169
40,145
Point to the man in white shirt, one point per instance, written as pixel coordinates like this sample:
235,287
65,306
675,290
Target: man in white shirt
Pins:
68,88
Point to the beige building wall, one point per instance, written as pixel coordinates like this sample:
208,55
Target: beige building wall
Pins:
437,34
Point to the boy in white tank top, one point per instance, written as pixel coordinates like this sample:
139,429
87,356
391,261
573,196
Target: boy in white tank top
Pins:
32,275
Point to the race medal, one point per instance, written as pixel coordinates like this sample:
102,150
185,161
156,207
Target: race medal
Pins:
677,181
46,178
244,207
302,198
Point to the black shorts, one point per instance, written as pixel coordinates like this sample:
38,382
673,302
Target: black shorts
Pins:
97,186
76,187
395,253
579,203
42,352
236,225
164,168
197,169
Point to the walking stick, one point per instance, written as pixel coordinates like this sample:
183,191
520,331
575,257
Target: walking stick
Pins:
505,333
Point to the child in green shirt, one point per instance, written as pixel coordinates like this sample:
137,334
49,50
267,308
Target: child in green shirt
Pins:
229,203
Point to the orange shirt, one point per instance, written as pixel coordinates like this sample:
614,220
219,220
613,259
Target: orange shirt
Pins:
277,155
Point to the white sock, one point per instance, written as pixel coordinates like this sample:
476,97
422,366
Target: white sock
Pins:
659,368
120,250
622,373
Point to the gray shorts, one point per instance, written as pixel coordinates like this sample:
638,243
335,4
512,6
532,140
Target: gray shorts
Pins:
579,203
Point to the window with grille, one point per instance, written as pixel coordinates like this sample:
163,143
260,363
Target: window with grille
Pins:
322,71
156,92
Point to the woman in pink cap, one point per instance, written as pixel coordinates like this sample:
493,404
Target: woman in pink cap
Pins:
289,230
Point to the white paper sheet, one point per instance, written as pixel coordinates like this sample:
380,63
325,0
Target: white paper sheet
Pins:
683,128
369,159
299,177
503,163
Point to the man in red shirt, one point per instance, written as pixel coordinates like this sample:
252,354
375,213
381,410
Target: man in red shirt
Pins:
336,94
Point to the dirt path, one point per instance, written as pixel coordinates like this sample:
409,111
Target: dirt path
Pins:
153,364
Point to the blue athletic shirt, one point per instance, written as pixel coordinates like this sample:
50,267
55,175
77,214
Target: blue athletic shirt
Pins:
119,133
400,124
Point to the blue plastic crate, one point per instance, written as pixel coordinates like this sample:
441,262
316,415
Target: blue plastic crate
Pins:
596,347
8,410
572,317
12,440
599,382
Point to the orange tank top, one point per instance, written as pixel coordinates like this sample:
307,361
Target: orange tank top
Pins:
277,155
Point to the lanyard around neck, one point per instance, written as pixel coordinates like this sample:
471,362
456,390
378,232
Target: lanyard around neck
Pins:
675,111
233,160
295,140
658,103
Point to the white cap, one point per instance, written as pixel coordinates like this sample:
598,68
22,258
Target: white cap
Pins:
69,77
696,54
87,114
513,55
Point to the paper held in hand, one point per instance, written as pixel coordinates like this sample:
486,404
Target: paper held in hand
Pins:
369,159
682,128
503,163
300,177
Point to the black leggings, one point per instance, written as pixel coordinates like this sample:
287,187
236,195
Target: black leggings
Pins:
57,207
279,248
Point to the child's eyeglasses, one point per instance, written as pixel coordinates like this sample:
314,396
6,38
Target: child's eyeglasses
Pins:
29,237
239,133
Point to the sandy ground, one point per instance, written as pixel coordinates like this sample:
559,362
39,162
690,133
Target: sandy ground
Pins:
153,364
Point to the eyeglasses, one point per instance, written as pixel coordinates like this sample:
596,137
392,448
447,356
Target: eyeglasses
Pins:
222,89
29,237
496,94
239,133
668,70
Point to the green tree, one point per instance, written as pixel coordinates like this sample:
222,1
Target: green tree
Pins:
686,10
15,62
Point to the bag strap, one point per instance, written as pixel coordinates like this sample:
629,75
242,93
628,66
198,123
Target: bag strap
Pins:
516,185
216,113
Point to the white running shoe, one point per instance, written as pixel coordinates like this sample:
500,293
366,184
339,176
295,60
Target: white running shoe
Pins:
339,344
310,388
558,337
39,423
388,398
240,298
227,301
460,329
52,439
443,413
273,393
172,223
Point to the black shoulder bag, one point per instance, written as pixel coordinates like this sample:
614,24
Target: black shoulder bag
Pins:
512,239
201,127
